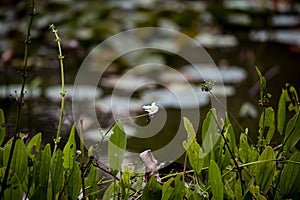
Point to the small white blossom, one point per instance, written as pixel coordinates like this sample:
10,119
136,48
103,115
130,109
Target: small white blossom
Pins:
151,109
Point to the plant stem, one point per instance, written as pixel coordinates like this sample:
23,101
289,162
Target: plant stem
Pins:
63,92
20,100
230,152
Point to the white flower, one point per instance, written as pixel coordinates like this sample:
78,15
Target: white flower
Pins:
151,109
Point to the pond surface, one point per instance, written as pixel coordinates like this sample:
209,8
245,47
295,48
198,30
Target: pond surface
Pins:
237,36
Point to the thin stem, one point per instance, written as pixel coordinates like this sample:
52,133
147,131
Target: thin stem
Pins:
230,152
231,115
20,100
63,92
82,168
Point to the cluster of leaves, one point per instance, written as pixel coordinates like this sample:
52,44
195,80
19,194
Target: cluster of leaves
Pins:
225,169
221,167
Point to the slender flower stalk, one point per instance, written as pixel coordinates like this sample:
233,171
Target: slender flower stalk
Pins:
63,91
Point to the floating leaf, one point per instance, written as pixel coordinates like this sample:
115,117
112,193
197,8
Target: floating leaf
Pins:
116,147
2,128
265,171
215,180
70,150
290,177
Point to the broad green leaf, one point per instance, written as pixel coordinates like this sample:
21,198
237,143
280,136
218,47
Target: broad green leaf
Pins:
111,193
229,134
45,167
91,181
215,180
2,128
244,146
238,189
265,171
267,124
152,190
290,177
281,112
292,134
262,81
174,188
74,182
14,191
19,160
57,170
193,148
34,145
116,147
70,150
210,135
255,191
229,193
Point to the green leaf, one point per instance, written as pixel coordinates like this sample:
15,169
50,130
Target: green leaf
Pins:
174,188
281,112
228,191
238,189
70,150
292,134
57,170
19,160
74,182
256,193
265,171
34,145
116,147
293,98
290,178
90,184
215,180
193,148
152,190
229,134
2,128
45,167
14,191
267,124
110,192
210,135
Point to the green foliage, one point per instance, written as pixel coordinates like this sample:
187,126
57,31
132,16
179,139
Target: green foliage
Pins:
116,147
265,170
215,179
152,190
193,149
290,178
